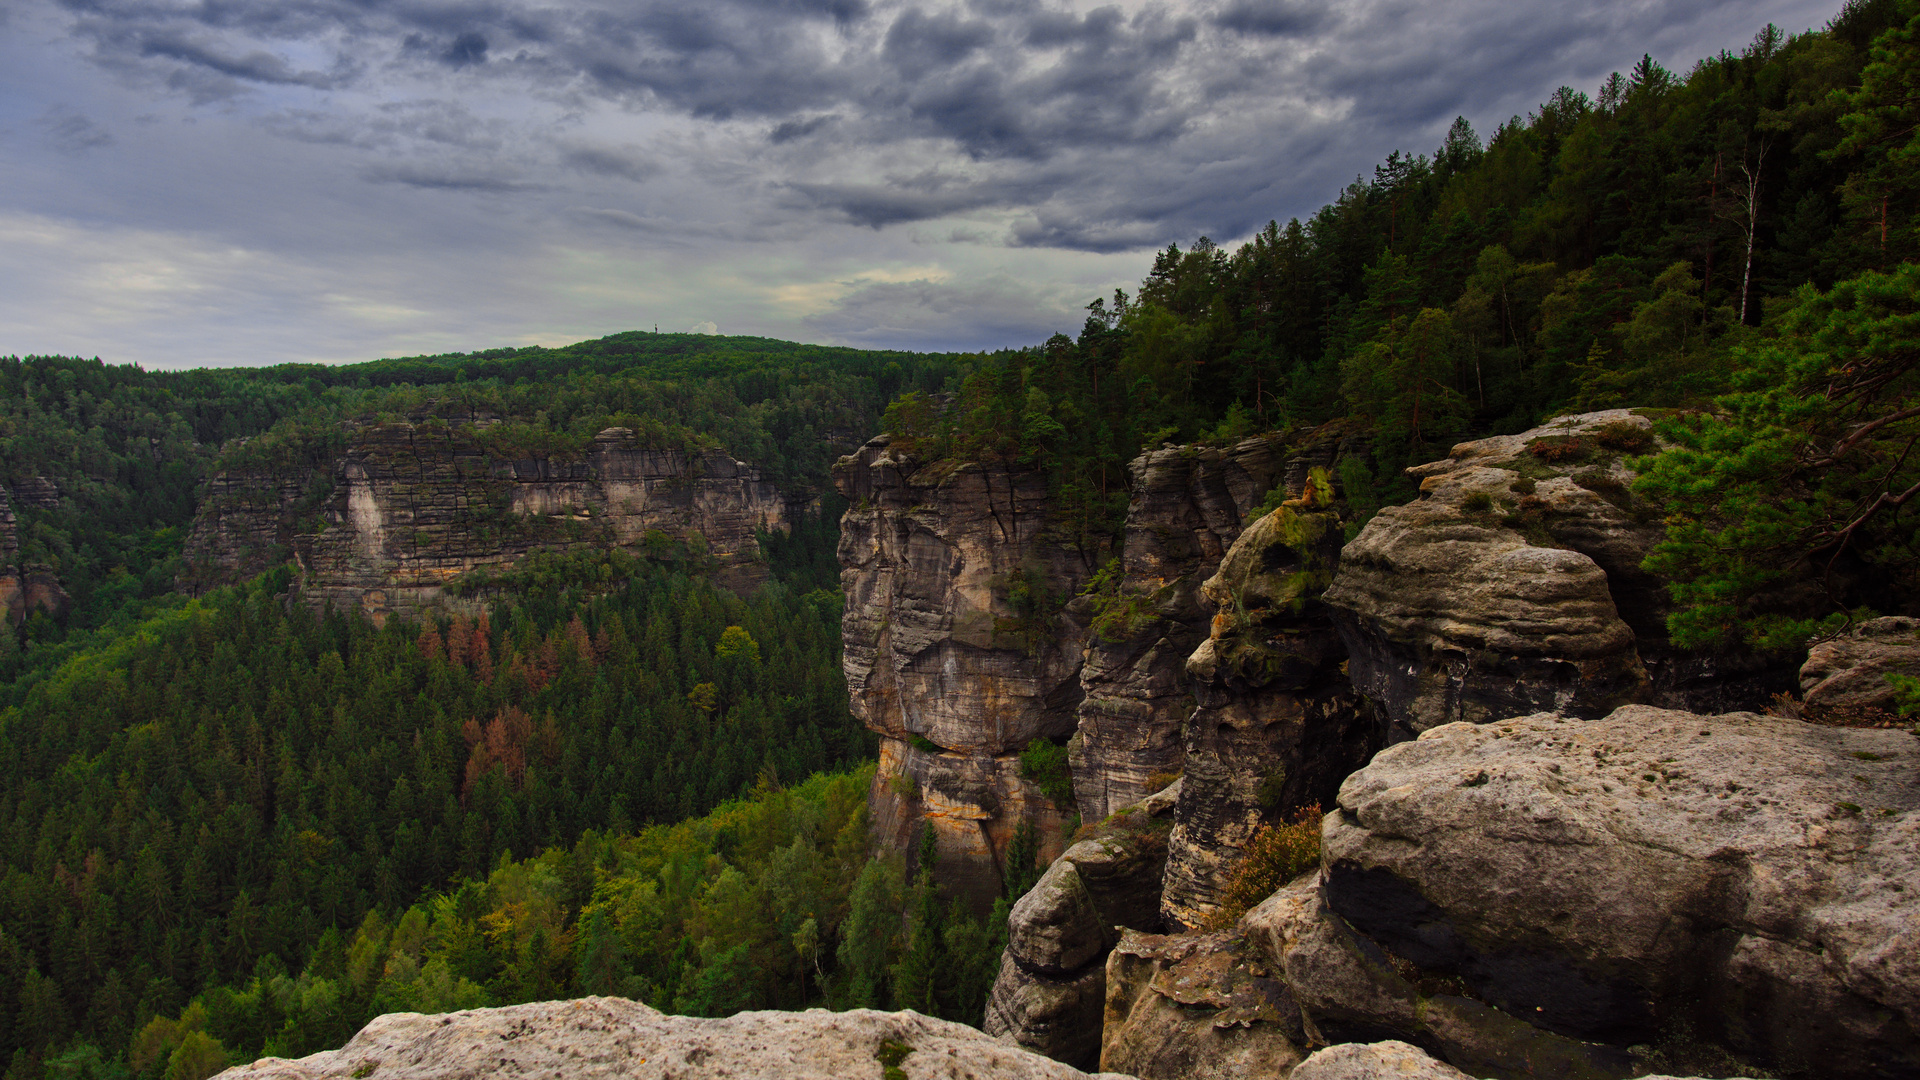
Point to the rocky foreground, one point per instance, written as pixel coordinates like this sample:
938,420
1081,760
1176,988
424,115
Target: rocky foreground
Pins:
613,1037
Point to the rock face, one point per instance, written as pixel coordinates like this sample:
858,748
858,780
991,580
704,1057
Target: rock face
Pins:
1544,893
1846,678
407,507
1278,725
614,1038
23,589
1198,1007
1187,508
1051,990
1513,584
958,650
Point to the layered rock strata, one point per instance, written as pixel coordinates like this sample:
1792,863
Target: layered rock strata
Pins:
1051,990
1187,507
1550,896
600,1038
1278,725
959,650
23,589
406,508
1198,1007
1845,679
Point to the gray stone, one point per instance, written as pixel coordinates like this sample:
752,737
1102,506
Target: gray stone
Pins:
1588,887
1197,1007
1278,725
1051,987
1846,677
1390,1060
608,1038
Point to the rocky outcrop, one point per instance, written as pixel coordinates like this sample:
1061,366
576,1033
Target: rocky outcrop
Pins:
1392,1060
408,507
1187,507
1549,896
23,589
1051,989
1198,1007
1845,679
959,649
603,1038
1278,725
1513,584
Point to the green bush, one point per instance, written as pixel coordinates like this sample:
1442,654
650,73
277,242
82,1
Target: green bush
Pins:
1045,764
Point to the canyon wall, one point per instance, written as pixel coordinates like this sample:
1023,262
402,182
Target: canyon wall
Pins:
25,589
407,507
959,651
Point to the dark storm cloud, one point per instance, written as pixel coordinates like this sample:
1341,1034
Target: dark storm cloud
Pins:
1272,18
437,178
71,132
1102,128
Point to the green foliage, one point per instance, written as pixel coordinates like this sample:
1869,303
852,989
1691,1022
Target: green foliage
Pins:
1044,762
766,902
1807,460
230,780
1118,615
1274,856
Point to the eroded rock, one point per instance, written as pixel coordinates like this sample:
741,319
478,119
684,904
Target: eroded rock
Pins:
1051,989
1186,510
1392,1060
1197,1007
1495,593
1278,725
407,507
613,1038
1846,678
955,636
1548,889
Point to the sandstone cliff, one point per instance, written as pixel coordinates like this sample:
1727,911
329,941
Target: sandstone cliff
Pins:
1278,724
958,650
24,589
1186,508
1513,584
407,507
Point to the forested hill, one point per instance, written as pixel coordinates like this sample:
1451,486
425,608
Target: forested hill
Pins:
231,823
1735,240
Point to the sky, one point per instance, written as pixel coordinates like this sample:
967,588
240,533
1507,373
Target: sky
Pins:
228,182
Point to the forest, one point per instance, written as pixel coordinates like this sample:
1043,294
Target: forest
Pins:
234,825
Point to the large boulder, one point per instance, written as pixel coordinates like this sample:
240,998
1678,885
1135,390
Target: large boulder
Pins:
1845,679
1513,585
611,1038
1392,1060
1278,725
1654,888
1197,1007
1051,988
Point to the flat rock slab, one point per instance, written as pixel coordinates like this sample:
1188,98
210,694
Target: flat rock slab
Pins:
1391,1060
612,1037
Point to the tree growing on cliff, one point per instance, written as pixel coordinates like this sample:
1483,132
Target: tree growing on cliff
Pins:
1809,468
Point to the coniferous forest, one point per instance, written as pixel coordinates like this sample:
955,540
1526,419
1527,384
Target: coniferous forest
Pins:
233,825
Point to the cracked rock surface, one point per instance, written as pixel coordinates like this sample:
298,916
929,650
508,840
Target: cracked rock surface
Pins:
1544,888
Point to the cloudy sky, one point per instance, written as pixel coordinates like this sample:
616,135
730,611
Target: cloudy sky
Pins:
188,182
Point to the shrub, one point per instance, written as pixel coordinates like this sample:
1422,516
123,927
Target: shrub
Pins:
1557,448
1477,502
1626,437
1045,763
1276,855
